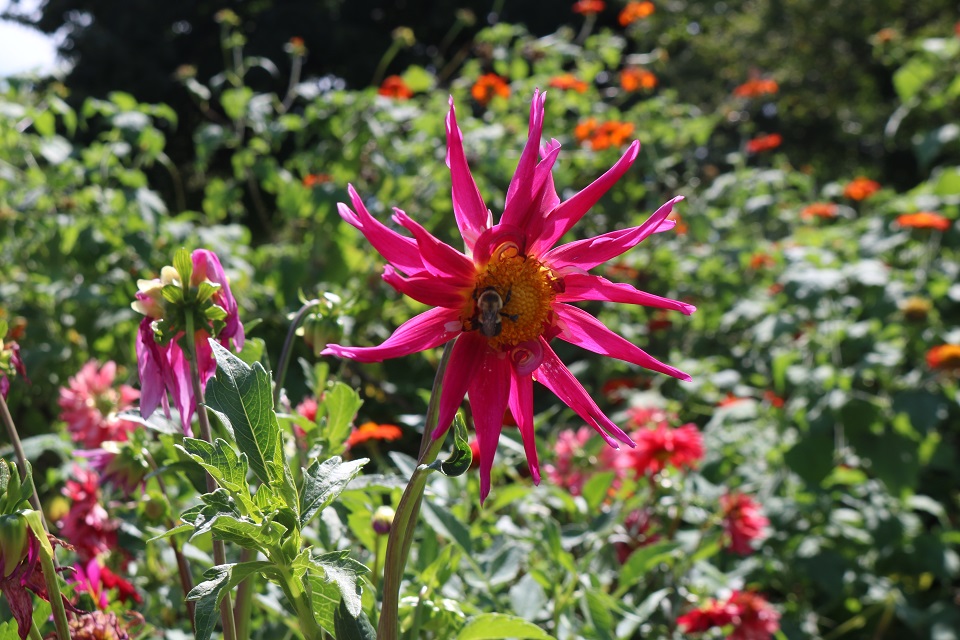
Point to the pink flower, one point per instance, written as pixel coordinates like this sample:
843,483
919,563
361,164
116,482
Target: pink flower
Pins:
662,446
10,364
507,296
89,405
743,521
749,613
570,470
163,366
97,581
87,525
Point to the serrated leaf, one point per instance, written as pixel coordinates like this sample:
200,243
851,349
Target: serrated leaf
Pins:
339,406
220,460
243,395
325,598
323,482
218,582
497,626
343,571
216,504
259,536
352,627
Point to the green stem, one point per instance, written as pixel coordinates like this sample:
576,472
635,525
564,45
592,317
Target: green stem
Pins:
219,552
53,592
302,604
244,601
284,361
35,633
401,531
21,457
384,63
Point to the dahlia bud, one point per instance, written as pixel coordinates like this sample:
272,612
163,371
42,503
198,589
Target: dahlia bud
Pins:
14,543
916,309
383,520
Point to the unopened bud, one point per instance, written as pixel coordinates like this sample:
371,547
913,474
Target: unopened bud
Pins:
383,520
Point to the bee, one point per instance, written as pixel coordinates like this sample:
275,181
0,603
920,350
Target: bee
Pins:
489,312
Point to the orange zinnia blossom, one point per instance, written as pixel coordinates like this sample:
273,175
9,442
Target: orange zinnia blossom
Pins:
681,227
635,11
764,143
633,78
313,179
924,220
604,135
394,87
373,431
945,357
756,87
487,86
819,210
730,400
588,7
861,188
568,82
761,260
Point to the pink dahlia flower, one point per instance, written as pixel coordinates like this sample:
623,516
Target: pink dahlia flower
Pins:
743,522
162,365
508,294
570,471
90,402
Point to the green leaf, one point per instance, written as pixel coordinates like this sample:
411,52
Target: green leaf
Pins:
599,608
597,488
323,482
340,407
641,561
459,461
495,626
218,582
447,525
259,536
235,101
325,599
352,627
342,570
220,460
184,265
243,396
912,77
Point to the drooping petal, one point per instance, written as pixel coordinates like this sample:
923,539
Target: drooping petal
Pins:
21,605
554,375
521,406
425,331
181,385
148,366
439,258
471,213
489,394
549,199
582,329
430,290
588,253
468,351
569,212
582,286
521,192
398,250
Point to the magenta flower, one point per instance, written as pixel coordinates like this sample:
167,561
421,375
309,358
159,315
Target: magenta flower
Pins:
507,296
89,405
10,365
162,364
572,468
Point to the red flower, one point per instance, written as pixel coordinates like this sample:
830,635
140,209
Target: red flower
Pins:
756,87
860,188
487,86
634,78
750,614
764,143
742,521
373,431
775,401
588,7
662,446
730,400
637,525
87,526
761,260
90,403
635,11
395,87
314,179
97,580
569,82
924,220
819,210
945,357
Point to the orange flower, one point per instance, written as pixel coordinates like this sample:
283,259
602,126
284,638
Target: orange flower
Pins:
487,86
861,188
635,11
633,78
681,228
611,133
775,401
924,220
764,143
588,7
373,431
313,179
756,87
568,82
730,400
819,210
761,260
394,87
945,357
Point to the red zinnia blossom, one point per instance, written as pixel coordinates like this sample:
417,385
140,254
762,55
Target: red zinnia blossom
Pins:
313,179
373,431
756,87
945,357
634,78
662,446
924,220
635,11
775,401
588,7
487,86
90,402
507,295
681,228
395,87
860,188
570,471
742,521
763,143
749,613
819,210
569,82
603,135
87,525
308,409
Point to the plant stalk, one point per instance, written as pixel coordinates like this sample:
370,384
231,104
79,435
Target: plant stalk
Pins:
53,592
21,457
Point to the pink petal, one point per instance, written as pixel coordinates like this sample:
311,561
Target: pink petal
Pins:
588,253
554,375
489,394
419,333
544,193
569,212
582,329
582,286
469,350
521,192
398,250
521,406
148,366
471,213
439,258
430,290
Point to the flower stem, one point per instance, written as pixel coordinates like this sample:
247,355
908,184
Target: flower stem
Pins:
284,361
401,531
50,576
21,457
219,552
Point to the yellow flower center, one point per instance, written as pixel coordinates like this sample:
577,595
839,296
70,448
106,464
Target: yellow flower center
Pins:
513,299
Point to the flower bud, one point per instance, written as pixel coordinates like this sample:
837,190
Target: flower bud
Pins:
14,543
383,520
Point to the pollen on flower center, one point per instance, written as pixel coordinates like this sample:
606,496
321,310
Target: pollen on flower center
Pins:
525,290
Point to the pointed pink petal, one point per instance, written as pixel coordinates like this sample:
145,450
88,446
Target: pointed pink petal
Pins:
398,250
569,212
489,394
439,258
588,253
521,192
469,349
582,329
544,193
148,366
554,375
471,213
425,331
521,406
430,290
582,286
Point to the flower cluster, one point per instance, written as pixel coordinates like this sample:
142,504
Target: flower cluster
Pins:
748,614
635,78
90,404
571,468
489,86
743,522
603,135
635,11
